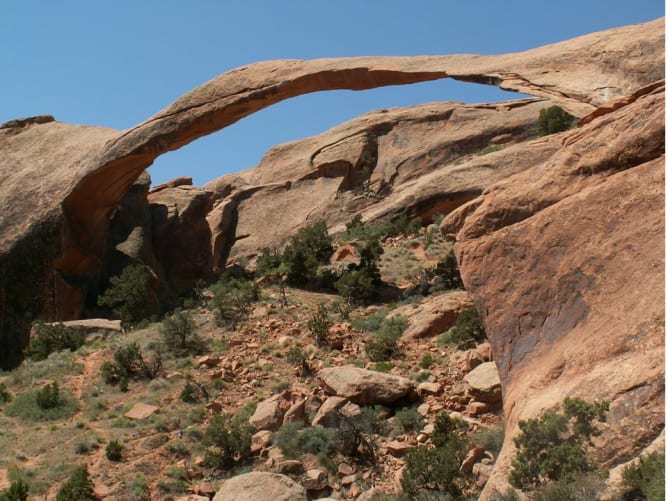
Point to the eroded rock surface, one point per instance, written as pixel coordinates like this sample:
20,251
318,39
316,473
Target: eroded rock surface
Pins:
261,486
565,262
363,386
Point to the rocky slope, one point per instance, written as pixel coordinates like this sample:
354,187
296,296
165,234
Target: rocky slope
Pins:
560,239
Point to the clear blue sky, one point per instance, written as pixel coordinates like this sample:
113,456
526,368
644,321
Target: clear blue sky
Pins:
115,63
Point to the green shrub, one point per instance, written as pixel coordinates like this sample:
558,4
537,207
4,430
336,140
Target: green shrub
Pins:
138,489
306,250
45,404
357,286
5,395
268,262
448,271
319,325
78,487
383,344
114,451
355,229
129,362
228,439
435,468
233,298
129,295
17,491
646,480
407,420
48,397
53,337
585,487
192,392
491,439
552,447
468,329
296,356
180,333
554,119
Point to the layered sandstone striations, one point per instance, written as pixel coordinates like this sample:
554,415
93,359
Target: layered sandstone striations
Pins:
565,262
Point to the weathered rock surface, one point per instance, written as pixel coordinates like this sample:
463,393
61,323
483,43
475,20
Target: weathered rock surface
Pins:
484,383
565,262
260,486
364,387
54,234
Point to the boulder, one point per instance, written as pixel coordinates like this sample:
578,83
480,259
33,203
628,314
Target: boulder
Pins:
434,314
260,486
364,387
484,383
315,479
328,413
269,413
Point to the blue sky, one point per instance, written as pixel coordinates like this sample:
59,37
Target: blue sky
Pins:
115,63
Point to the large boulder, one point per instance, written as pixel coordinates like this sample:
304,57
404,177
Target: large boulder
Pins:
261,486
565,262
434,314
364,387
484,383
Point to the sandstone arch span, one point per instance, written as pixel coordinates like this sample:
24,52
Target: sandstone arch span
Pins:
60,183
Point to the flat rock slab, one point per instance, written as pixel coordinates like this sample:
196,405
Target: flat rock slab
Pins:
141,411
261,486
364,387
484,382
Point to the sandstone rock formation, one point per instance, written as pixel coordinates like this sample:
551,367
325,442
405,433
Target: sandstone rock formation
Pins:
565,262
54,234
261,486
363,386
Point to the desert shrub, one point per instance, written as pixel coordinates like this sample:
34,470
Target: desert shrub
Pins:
554,119
114,451
357,286
228,439
233,298
491,439
45,404
129,295
468,329
579,488
319,324
48,397
268,262
296,356
435,468
177,448
180,333
138,489
371,322
383,344
193,392
645,480
448,271
53,337
78,487
552,447
407,420
306,250
129,362
5,395
17,491
373,420
355,229
427,361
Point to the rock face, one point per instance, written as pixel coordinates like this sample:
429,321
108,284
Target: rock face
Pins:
54,235
260,486
565,262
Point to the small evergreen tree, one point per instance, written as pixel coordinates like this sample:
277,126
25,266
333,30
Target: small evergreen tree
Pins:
552,447
233,298
17,491
180,332
49,397
49,338
78,487
128,295
554,119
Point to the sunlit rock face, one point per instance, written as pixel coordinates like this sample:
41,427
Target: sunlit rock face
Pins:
565,262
